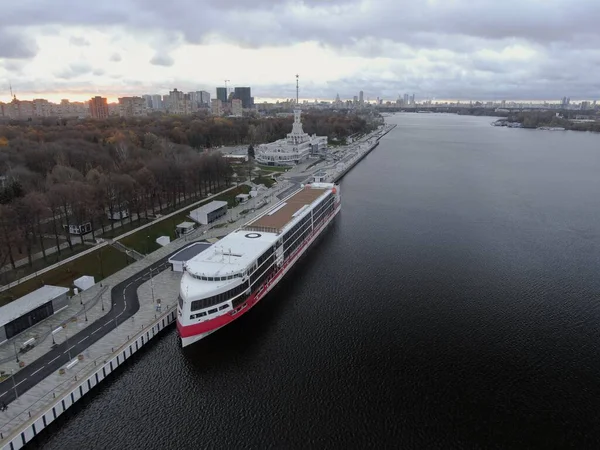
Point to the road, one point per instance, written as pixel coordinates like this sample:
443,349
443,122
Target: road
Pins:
125,304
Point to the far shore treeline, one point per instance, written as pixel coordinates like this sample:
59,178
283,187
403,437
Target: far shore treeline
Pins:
60,172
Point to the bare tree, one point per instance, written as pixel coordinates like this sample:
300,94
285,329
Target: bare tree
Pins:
10,231
62,195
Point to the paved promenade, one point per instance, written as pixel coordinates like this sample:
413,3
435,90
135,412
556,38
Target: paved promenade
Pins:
165,286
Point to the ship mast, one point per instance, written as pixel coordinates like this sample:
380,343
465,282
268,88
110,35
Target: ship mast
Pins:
297,90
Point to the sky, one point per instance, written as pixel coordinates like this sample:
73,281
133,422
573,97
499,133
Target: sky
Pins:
436,49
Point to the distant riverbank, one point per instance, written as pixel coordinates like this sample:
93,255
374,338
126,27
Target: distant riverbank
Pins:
552,121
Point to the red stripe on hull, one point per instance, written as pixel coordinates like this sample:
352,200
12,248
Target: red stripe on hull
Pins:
222,320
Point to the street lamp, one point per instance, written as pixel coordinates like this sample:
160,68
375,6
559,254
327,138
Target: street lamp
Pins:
152,285
52,334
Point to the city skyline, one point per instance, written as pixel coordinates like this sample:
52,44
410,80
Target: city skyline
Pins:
57,98
513,50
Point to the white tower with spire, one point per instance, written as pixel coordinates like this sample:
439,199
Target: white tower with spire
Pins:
296,147
297,136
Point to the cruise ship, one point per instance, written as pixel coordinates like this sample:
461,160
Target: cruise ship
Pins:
231,276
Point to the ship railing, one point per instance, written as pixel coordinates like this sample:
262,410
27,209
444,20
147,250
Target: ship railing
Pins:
261,229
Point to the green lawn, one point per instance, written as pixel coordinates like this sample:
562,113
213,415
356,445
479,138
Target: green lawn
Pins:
144,241
112,261
272,168
39,264
267,181
229,196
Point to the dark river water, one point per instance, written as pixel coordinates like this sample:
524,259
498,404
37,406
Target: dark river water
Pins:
454,303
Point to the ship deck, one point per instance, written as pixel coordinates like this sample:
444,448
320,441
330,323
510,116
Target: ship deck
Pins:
281,215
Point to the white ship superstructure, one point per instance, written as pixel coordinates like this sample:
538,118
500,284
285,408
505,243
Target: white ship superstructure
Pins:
231,276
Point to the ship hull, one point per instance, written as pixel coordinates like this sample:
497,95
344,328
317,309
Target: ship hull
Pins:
190,334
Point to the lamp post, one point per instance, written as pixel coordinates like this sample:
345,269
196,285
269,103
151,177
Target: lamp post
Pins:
52,334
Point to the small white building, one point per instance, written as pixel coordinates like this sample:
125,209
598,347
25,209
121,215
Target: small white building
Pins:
24,312
118,214
319,177
163,240
83,228
184,228
84,282
209,213
242,198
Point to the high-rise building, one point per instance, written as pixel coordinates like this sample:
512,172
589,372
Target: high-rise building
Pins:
222,94
148,100
157,103
245,95
236,107
41,108
99,107
133,107
355,99
361,97
175,102
204,98
405,99
216,107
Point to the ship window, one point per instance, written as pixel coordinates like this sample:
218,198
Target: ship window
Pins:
212,311
223,307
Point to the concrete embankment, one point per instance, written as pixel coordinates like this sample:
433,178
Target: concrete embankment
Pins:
85,383
354,160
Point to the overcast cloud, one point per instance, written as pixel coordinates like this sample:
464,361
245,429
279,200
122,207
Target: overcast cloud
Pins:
441,49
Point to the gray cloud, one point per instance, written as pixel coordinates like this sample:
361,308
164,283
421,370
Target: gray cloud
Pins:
115,57
448,49
162,60
78,41
16,46
74,71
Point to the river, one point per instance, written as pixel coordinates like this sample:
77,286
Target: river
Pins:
454,303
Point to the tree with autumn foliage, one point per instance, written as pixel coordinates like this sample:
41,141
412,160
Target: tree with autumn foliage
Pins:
57,173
